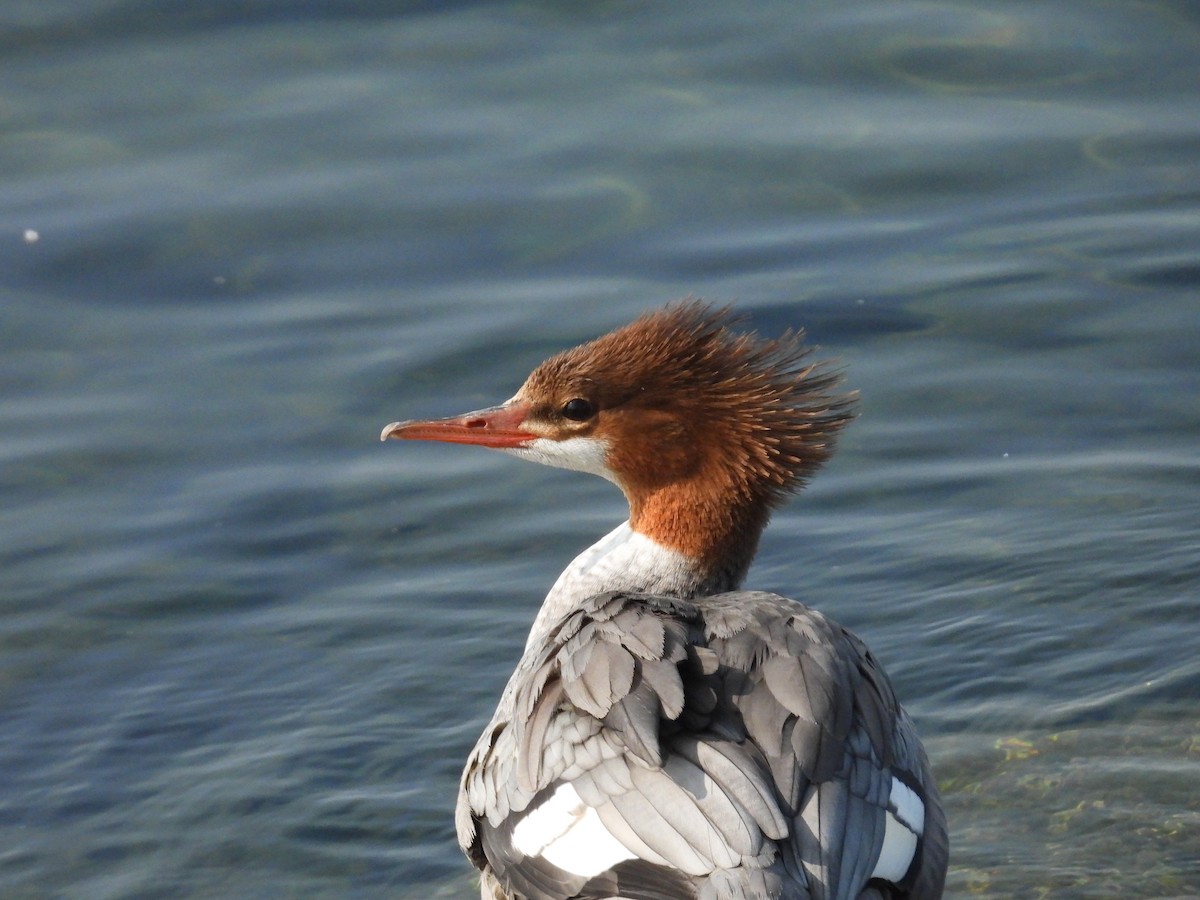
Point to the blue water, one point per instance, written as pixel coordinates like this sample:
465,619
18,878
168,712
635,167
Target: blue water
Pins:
244,647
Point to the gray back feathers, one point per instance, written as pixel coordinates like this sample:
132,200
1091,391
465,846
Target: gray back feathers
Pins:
739,745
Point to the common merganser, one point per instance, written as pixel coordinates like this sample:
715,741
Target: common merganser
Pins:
665,734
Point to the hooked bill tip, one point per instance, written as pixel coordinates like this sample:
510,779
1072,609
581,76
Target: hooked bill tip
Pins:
388,429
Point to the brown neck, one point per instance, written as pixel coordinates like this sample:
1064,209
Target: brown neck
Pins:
719,529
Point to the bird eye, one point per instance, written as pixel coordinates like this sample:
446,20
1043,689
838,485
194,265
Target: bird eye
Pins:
578,409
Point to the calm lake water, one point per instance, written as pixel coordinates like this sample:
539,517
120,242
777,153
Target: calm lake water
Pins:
245,648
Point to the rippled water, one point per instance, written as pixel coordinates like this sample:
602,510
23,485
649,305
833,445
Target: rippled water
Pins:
244,648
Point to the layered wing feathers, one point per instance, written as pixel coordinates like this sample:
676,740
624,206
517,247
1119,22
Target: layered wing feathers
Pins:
739,745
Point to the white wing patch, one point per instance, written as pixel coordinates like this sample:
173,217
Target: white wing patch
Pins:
568,833
905,823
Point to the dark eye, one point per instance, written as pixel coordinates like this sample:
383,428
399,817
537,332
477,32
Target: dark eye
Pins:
578,409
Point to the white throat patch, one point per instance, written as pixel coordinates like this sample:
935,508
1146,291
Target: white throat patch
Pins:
580,454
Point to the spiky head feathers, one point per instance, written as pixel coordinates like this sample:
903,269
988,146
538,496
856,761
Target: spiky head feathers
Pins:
688,395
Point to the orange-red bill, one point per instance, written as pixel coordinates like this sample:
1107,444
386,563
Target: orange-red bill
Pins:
499,427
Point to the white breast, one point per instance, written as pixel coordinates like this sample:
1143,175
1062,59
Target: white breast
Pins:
622,560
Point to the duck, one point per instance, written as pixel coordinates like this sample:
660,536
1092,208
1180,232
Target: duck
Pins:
668,733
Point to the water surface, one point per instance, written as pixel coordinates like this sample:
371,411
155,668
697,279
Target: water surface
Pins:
244,648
